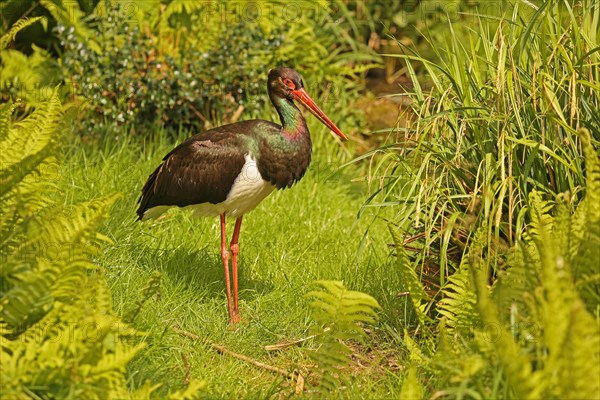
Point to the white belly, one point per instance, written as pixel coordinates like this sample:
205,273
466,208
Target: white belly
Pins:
248,190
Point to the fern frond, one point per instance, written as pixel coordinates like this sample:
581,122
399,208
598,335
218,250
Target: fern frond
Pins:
17,27
525,383
411,387
341,309
6,111
57,252
512,289
72,16
579,358
338,313
570,333
410,281
592,175
414,350
457,355
459,302
27,144
59,337
585,228
25,304
76,226
29,78
540,216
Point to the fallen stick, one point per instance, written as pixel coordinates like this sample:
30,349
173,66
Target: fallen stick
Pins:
225,350
280,346
187,334
299,388
188,369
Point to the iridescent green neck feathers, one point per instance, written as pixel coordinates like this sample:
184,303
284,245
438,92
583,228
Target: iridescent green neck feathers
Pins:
292,121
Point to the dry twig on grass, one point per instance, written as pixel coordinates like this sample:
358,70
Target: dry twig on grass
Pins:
188,368
297,377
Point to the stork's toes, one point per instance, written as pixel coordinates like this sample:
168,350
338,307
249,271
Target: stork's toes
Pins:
235,319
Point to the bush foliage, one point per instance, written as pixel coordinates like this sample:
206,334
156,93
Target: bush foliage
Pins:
189,66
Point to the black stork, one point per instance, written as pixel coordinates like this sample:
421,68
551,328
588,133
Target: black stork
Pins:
229,170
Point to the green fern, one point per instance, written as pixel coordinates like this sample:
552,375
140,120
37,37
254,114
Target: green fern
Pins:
339,314
21,24
459,303
570,335
27,78
531,327
72,16
585,227
26,147
545,308
59,335
410,281
497,147
500,346
411,387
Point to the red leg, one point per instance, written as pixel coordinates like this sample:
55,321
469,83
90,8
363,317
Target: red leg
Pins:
225,258
235,249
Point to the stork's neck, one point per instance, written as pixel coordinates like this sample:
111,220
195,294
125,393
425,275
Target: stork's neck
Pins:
292,121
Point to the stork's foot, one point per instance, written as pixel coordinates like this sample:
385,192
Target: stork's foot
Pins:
234,322
235,319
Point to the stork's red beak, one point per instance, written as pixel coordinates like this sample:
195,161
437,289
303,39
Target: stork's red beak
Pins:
307,102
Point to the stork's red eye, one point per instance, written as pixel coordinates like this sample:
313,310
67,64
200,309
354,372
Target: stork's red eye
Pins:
289,83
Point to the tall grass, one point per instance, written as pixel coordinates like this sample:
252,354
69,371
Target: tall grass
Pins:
499,121
492,199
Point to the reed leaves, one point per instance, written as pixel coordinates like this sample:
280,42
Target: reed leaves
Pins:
496,189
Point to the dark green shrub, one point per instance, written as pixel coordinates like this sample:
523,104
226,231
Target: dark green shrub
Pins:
186,69
134,81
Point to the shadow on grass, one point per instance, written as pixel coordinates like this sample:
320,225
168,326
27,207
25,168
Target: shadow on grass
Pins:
202,272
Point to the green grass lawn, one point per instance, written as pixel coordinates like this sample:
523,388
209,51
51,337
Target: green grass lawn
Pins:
293,238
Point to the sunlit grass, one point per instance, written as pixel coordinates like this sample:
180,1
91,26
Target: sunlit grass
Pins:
293,238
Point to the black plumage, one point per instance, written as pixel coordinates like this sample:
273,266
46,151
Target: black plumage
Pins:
203,168
200,170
